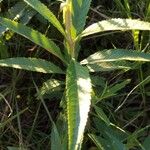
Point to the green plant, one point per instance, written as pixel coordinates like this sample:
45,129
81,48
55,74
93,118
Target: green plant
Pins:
20,11
78,90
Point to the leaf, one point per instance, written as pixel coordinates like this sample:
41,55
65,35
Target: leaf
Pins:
99,142
78,94
79,10
109,139
112,90
55,139
116,24
46,13
146,143
13,13
61,125
116,55
15,148
110,66
33,35
50,87
106,144
98,81
18,11
102,129
27,15
3,49
115,88
102,115
116,144
55,136
31,64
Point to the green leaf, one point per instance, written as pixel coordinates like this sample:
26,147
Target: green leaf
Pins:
102,115
110,66
115,88
109,138
99,142
112,90
27,15
33,35
116,55
31,64
18,12
61,125
80,9
15,148
98,80
55,139
78,94
50,87
46,13
116,144
3,49
115,24
13,13
146,143
55,136
106,144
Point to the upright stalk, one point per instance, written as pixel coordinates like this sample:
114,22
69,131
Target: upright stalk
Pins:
67,18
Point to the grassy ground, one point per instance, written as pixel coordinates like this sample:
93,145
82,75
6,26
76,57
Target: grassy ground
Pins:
25,120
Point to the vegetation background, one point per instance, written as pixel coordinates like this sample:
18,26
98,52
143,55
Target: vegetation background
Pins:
25,121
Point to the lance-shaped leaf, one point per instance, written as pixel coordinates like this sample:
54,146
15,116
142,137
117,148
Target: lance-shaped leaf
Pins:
31,64
102,115
18,11
111,66
50,86
78,94
116,55
46,13
33,35
79,10
116,24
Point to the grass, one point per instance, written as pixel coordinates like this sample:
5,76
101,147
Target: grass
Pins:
27,122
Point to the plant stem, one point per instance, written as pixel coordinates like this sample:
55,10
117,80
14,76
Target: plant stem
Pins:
67,16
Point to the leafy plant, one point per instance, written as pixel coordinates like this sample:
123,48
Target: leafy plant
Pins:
20,11
78,90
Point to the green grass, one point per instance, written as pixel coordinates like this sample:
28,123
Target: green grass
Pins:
33,107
